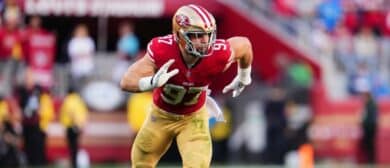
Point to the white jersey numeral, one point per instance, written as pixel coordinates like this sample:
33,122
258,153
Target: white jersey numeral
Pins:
219,46
166,40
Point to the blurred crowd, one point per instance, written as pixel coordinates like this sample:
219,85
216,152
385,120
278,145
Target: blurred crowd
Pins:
29,77
353,34
349,39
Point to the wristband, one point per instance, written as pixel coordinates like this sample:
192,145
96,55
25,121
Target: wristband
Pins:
145,83
244,75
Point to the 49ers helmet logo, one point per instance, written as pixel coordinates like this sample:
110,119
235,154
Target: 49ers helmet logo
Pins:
182,20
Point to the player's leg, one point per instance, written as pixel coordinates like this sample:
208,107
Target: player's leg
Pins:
151,142
194,141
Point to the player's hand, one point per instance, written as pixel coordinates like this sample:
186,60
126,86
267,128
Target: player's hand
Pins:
238,84
162,75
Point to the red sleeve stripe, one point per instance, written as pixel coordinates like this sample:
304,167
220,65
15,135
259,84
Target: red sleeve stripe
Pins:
149,50
202,15
230,60
151,58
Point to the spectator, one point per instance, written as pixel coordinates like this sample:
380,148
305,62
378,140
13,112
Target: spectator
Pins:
128,44
128,48
300,74
330,13
10,49
38,46
306,9
276,123
301,80
81,50
10,138
298,120
285,8
385,49
282,61
73,117
369,125
343,50
361,80
351,18
380,88
366,48
2,6
295,76
37,112
320,39
12,4
285,11
34,26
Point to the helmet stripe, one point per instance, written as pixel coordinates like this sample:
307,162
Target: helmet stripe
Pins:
207,14
201,14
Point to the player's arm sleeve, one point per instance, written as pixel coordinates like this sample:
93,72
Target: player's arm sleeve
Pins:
229,58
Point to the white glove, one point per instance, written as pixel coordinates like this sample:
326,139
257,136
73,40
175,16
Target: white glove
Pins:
159,78
238,84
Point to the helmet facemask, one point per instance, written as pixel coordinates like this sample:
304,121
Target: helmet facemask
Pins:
198,48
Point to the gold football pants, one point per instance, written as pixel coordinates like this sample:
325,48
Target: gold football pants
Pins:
156,135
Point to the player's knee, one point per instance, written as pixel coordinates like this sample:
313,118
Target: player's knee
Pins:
196,162
142,165
140,160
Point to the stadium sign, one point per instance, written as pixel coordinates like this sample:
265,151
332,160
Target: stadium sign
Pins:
118,8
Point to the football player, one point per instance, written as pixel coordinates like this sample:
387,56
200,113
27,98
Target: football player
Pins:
179,67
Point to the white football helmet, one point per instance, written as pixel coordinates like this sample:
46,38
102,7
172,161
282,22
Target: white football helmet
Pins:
193,21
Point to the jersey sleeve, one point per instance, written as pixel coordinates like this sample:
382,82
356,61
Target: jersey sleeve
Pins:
224,52
152,49
159,49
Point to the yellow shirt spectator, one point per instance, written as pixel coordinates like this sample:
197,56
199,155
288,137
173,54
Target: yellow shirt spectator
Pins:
46,111
3,110
137,108
222,130
73,111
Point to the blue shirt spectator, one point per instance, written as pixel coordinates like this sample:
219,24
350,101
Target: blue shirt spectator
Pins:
330,12
128,45
1,5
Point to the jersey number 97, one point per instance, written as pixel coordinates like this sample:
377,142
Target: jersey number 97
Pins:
175,94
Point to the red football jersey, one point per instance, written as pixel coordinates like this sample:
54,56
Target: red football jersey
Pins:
9,41
185,92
